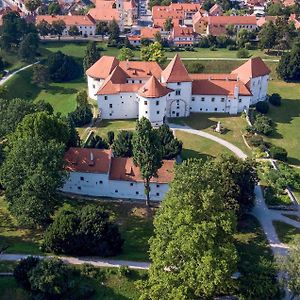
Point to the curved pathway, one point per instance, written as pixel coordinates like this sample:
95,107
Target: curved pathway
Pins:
97,262
6,78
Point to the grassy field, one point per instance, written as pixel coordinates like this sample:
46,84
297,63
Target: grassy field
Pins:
114,125
235,126
134,219
287,119
12,60
199,147
286,232
60,95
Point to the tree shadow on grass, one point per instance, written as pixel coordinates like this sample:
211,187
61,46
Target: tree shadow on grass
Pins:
54,89
188,153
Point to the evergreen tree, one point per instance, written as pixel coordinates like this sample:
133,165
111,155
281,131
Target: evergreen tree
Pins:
113,31
40,76
147,153
54,8
102,28
192,251
29,47
122,145
267,36
92,54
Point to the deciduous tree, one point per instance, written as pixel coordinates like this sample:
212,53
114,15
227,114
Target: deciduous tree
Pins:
40,75
74,31
32,5
153,52
92,54
58,27
125,54
122,145
43,28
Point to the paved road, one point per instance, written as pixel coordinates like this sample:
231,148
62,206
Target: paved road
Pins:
97,262
6,78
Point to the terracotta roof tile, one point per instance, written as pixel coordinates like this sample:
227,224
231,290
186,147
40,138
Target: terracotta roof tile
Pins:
124,169
87,160
217,76
180,31
141,69
175,71
243,20
149,32
254,67
153,89
218,87
103,67
69,20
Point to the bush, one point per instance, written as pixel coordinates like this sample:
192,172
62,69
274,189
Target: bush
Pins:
22,270
213,48
195,67
256,140
263,124
262,107
123,271
86,231
62,67
82,115
232,47
242,53
278,153
275,99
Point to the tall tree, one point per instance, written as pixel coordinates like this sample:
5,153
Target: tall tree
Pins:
29,47
32,5
58,27
122,144
92,54
74,31
168,25
267,36
54,8
153,52
43,28
192,250
125,54
40,76
113,31
147,153
102,28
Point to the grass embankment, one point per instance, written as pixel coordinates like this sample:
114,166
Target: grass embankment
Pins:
286,233
234,125
195,146
134,219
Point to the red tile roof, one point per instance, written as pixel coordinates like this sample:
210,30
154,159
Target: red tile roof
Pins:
153,89
175,71
141,69
149,32
254,67
124,169
180,31
103,67
87,160
235,20
218,87
263,20
77,20
218,76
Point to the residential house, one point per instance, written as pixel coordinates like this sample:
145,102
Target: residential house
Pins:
183,36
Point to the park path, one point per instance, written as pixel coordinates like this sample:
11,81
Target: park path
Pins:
97,262
6,78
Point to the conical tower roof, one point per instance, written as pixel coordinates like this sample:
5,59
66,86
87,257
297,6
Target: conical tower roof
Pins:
153,89
175,71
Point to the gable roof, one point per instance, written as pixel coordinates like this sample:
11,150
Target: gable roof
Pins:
153,89
103,67
254,67
77,20
87,160
180,31
123,168
175,71
141,69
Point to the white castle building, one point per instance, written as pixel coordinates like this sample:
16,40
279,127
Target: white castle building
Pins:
136,89
95,172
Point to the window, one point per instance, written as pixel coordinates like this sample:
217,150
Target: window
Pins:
202,99
146,112
200,109
110,105
93,86
81,178
157,102
178,93
157,112
131,183
136,192
110,114
100,181
193,98
145,102
173,112
141,81
177,101
79,187
157,194
216,109
222,99
240,100
116,191
105,97
178,83
157,185
213,99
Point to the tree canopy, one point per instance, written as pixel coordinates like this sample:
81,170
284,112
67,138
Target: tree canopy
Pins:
192,250
153,52
92,54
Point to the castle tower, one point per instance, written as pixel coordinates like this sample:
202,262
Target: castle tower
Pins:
121,11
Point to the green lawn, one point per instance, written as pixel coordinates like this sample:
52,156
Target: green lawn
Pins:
134,219
12,60
286,232
235,126
199,147
7,266
60,95
287,119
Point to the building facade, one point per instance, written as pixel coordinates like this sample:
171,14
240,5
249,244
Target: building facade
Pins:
95,172
135,89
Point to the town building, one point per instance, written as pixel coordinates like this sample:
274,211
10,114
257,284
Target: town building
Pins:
146,33
95,172
85,24
135,89
183,36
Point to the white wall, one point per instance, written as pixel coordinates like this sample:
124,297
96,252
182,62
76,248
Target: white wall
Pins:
259,88
118,106
84,30
93,86
154,109
99,185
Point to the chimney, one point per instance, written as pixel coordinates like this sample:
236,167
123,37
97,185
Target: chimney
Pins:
236,91
127,64
91,156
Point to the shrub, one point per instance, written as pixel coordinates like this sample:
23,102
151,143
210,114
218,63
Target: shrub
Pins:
278,153
275,99
242,53
110,137
22,270
195,67
87,231
82,115
263,124
262,107
123,271
232,47
213,48
256,140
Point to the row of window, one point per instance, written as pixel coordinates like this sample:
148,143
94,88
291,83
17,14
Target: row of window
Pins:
146,102
213,99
